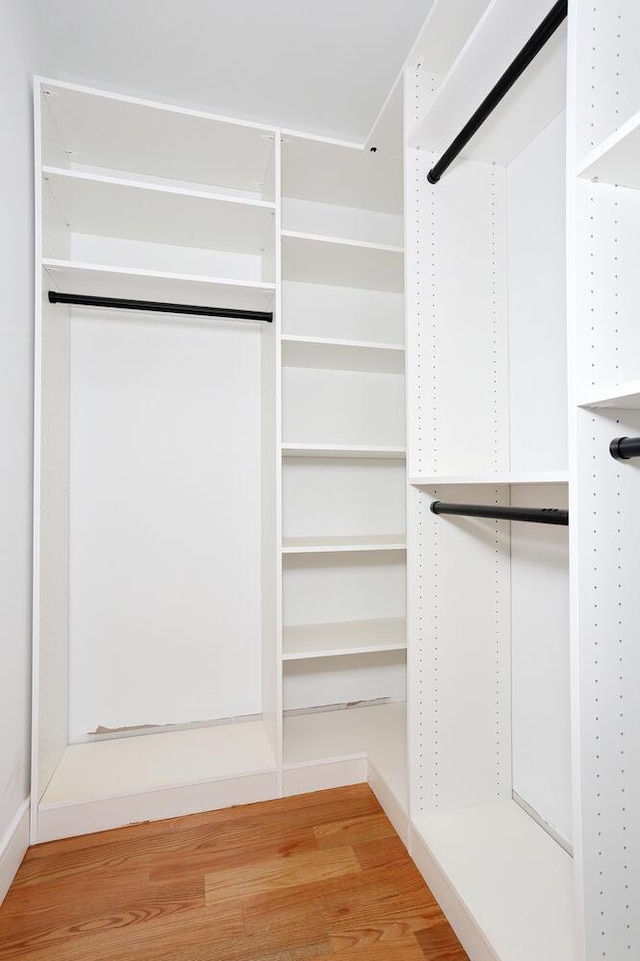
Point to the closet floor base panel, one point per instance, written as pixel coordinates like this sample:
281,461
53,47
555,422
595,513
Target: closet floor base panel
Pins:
110,783
505,886
335,748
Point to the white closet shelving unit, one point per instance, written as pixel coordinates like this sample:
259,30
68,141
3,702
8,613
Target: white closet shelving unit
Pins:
220,525
488,635
155,679
343,546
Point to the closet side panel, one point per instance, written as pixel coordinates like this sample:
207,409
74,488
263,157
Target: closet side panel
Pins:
165,525
51,559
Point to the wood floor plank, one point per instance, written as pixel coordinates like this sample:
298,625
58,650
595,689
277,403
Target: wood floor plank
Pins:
315,876
439,943
280,872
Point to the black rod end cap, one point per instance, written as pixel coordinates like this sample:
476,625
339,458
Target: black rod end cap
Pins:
433,179
615,450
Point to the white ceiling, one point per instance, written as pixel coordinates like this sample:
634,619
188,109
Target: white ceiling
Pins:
322,66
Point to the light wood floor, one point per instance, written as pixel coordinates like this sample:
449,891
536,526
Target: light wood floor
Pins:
308,877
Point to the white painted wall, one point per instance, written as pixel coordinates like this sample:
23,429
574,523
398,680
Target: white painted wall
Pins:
20,58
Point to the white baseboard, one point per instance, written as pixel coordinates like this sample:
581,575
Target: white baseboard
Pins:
13,847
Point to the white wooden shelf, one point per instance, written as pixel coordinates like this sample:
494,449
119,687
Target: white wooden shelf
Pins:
155,762
338,545
298,351
134,210
302,641
528,108
615,397
107,130
543,477
496,866
106,281
617,160
378,731
347,451
316,259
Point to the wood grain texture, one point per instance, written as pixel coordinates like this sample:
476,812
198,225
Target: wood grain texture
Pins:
320,875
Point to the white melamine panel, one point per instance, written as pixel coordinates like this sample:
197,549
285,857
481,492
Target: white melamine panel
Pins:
343,450
302,641
343,587
165,521
607,681
334,497
102,281
349,679
607,70
493,865
537,303
607,288
134,765
342,355
122,133
458,328
342,407
459,613
349,543
349,223
345,313
51,559
619,397
379,731
320,259
616,160
531,104
541,697
446,30
131,210
329,173
140,255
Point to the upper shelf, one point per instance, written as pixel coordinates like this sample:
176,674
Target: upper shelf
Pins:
542,477
531,104
344,451
96,128
133,210
131,284
617,160
349,544
620,397
316,259
341,174
342,354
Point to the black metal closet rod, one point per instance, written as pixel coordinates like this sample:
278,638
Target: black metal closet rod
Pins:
535,515
624,448
158,307
530,50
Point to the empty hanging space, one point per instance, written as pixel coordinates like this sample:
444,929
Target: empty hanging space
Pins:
488,626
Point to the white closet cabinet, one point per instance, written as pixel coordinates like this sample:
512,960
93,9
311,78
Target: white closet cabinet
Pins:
490,717
220,504
155,681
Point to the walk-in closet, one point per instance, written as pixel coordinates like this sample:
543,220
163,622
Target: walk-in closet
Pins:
335,466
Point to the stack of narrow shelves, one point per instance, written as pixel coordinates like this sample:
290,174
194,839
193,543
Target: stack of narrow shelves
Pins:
343,467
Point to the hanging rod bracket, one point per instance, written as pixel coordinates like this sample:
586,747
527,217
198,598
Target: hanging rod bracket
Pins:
531,49
158,307
533,515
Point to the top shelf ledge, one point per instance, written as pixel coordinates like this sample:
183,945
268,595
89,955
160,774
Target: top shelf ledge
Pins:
617,159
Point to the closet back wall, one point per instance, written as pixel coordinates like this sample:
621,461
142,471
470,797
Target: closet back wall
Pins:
165,534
